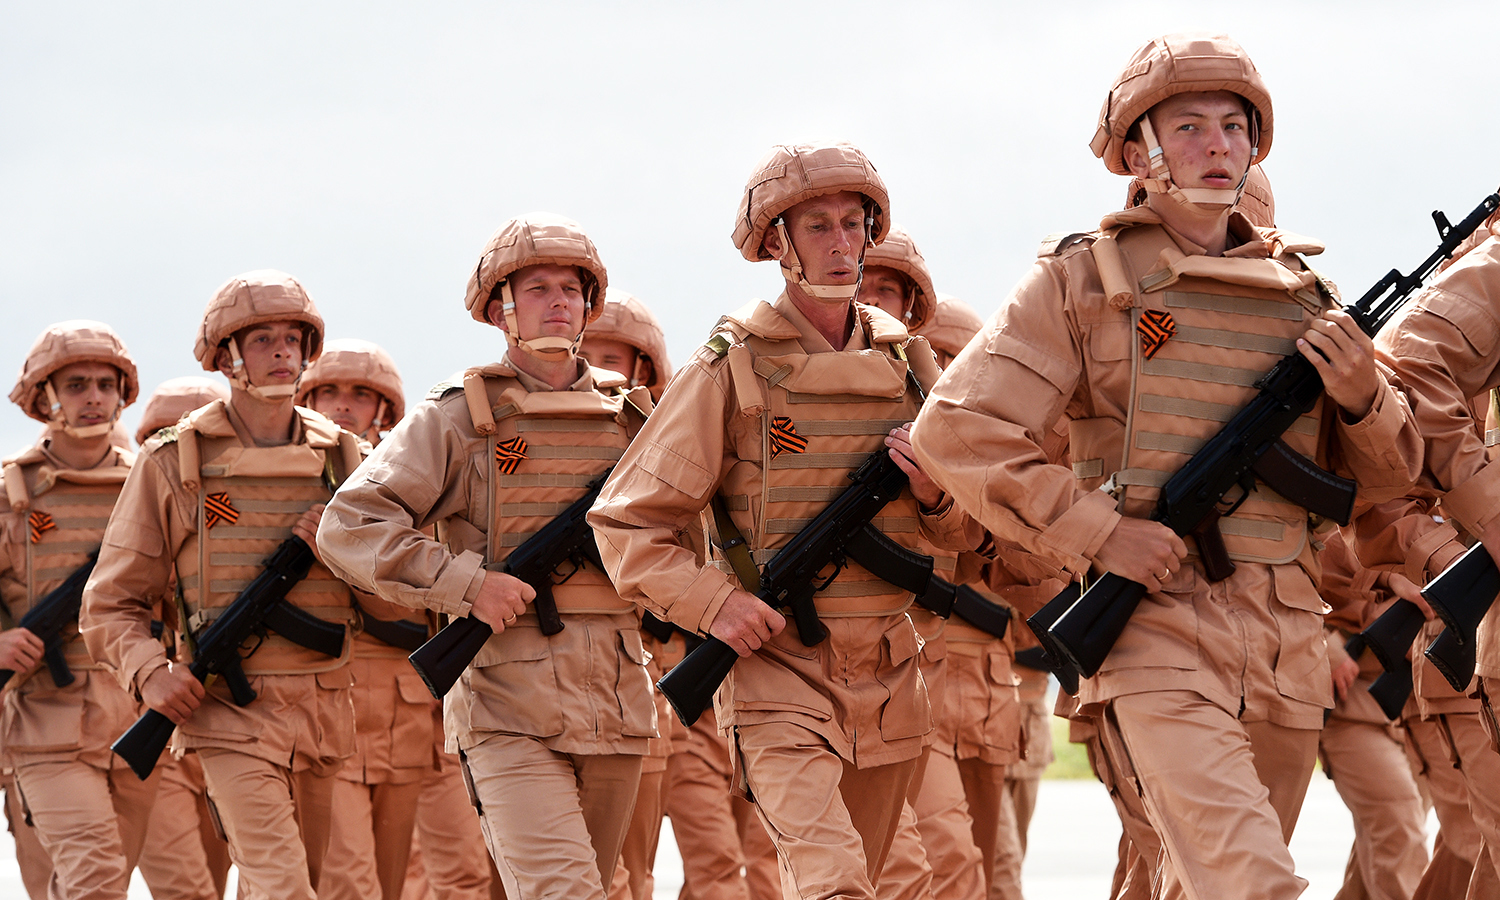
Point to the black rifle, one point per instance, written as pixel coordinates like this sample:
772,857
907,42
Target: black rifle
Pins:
50,616
401,634
1248,447
1461,595
911,570
790,579
216,651
1389,637
567,538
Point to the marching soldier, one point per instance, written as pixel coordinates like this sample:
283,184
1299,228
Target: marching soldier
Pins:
206,504
551,728
88,810
764,423
1148,334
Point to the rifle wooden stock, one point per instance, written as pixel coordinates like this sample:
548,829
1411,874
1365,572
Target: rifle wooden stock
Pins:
1455,660
1390,637
1464,592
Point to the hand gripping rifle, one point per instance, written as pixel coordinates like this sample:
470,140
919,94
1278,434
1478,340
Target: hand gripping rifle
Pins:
51,614
567,538
1249,446
261,605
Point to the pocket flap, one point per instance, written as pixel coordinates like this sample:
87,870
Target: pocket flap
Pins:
413,690
902,641
514,644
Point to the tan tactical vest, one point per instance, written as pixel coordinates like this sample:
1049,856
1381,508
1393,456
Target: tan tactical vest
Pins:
1234,318
267,489
823,415
544,449
64,512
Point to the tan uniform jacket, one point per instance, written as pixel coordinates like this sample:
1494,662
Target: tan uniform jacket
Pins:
1057,344
50,519
576,695
300,720
706,437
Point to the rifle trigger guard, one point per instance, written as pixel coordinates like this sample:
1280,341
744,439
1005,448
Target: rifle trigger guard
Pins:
1247,487
839,562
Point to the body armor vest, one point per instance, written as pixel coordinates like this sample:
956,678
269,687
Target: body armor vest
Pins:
1230,329
64,512
247,500
823,415
545,448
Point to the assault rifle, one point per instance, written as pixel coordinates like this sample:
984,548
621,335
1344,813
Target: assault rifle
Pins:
1249,447
51,614
1389,637
216,651
1461,595
567,538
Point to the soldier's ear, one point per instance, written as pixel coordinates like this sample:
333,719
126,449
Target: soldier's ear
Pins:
223,361
772,243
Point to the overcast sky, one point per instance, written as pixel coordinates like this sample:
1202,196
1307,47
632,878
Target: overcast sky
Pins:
149,151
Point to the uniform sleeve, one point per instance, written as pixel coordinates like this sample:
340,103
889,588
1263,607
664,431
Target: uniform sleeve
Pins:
659,488
372,534
981,432
148,526
1404,536
1383,450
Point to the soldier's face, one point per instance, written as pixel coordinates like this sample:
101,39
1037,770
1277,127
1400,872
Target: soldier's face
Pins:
829,234
1205,139
606,353
89,393
350,406
886,288
549,302
272,353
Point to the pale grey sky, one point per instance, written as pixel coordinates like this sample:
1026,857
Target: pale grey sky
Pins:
152,150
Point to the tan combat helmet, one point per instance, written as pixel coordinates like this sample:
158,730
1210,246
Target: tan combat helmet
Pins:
535,239
952,325
356,362
63,344
792,173
1180,64
175,398
898,251
626,319
255,298
1256,202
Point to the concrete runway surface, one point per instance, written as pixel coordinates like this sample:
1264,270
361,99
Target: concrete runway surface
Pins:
1072,846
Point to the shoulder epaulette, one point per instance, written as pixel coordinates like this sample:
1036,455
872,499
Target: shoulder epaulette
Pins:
443,389
719,344
1055,244
166,435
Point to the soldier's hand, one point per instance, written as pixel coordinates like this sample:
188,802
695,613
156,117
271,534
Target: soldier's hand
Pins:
20,650
1344,674
173,691
923,488
307,528
1345,357
744,622
1402,587
1143,551
501,599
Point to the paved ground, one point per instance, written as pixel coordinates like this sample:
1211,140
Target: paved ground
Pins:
1072,846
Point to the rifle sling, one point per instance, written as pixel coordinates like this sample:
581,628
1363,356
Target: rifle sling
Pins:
402,635
734,547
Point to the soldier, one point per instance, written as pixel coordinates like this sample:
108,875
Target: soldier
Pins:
184,857
1215,691
771,415
551,728
88,810
356,385
207,503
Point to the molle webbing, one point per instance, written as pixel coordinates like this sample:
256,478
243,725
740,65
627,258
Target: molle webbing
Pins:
79,513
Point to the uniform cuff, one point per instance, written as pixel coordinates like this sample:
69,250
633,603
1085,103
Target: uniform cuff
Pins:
1377,434
458,587
697,606
1477,501
139,665
1075,538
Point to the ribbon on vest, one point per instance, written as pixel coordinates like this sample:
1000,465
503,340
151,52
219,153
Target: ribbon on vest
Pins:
1155,328
508,454
40,523
784,437
217,508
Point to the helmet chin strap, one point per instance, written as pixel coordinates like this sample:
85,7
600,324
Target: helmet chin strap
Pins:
273,393
549,348
58,422
828,293
1207,205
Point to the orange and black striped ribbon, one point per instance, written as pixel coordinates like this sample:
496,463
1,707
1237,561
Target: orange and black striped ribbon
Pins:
508,454
217,508
40,523
784,437
1155,328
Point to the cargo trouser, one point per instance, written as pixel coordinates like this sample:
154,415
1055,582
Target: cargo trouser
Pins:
369,840
1458,842
907,874
184,857
449,860
832,823
1475,754
1024,778
276,821
947,830
554,822
633,873
1196,764
31,857
91,821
